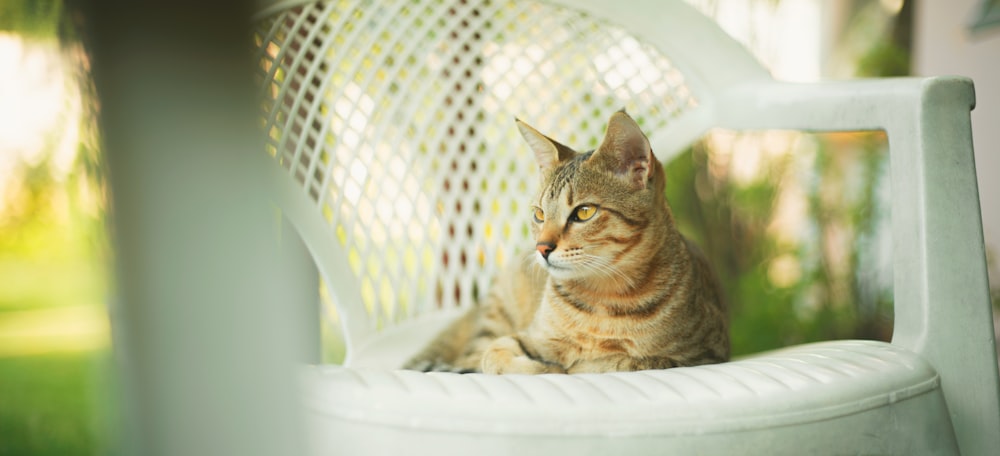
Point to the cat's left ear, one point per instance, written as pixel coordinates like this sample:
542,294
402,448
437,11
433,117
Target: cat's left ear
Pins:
626,151
548,151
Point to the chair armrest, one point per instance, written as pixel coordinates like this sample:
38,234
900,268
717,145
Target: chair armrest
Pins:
936,221
940,284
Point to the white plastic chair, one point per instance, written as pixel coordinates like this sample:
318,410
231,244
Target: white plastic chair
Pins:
391,123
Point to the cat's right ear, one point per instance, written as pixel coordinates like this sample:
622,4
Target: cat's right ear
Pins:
548,152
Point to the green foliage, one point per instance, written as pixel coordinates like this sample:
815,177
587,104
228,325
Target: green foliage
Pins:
46,219
31,18
885,59
789,284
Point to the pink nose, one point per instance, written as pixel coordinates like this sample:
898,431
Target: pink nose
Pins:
545,249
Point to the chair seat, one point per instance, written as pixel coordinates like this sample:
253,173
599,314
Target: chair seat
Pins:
848,386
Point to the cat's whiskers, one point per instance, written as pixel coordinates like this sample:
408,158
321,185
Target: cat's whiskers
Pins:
606,268
528,260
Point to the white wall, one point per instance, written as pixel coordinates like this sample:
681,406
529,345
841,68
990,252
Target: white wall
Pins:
943,45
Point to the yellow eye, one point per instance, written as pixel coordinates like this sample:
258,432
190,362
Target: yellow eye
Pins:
539,215
584,213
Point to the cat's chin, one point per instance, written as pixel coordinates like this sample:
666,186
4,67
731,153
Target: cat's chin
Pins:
561,272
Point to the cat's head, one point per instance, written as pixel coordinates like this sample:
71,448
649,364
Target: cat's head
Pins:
597,214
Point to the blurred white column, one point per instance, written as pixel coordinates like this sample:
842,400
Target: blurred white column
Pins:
210,311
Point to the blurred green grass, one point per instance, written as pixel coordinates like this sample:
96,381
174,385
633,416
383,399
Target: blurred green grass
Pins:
54,359
52,405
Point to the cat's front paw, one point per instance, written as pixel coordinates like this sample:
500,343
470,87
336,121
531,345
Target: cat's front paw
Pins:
505,356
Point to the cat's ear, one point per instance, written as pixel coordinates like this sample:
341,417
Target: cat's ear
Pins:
625,151
548,152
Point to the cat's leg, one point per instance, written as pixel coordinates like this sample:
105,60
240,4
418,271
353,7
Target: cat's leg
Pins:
493,323
620,363
625,363
460,347
506,355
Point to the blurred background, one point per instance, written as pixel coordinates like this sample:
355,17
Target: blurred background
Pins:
54,281
795,223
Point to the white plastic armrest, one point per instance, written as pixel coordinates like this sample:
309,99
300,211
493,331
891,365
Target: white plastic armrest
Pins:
942,303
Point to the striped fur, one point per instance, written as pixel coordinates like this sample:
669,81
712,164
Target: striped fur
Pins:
612,289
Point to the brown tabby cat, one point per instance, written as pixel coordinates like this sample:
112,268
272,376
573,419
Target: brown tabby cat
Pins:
615,288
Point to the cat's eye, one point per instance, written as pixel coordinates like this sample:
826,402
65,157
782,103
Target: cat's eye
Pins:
584,213
539,215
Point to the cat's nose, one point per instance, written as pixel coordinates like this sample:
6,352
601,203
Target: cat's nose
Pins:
545,248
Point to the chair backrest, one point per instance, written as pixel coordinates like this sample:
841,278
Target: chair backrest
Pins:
396,119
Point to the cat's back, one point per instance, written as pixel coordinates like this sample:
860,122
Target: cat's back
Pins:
704,278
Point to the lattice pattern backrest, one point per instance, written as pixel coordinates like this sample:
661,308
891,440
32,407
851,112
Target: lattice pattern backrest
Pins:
397,119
